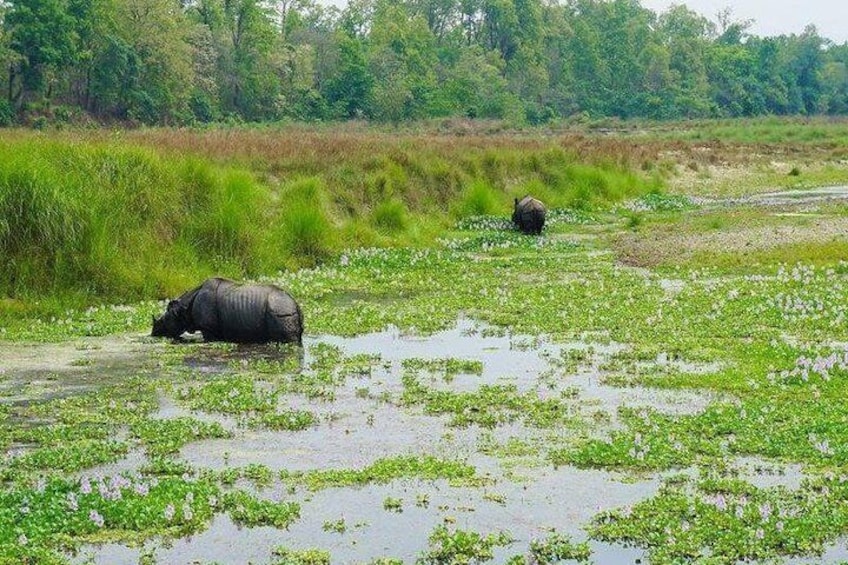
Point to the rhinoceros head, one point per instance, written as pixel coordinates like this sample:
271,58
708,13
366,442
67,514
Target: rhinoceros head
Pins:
172,323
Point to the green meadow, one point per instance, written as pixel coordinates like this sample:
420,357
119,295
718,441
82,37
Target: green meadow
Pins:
661,375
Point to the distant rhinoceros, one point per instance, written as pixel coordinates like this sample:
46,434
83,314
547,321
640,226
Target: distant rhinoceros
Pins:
223,310
529,215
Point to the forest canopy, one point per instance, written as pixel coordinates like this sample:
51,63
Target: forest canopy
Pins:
176,62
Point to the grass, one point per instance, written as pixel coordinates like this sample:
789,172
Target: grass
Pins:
194,204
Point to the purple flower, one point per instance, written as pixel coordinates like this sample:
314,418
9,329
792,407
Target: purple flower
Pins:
169,512
85,486
720,502
95,517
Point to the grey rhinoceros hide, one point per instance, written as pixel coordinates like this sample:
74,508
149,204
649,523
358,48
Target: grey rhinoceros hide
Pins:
529,215
225,311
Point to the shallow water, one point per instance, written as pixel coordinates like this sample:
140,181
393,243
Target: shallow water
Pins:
802,196
525,496
42,371
563,499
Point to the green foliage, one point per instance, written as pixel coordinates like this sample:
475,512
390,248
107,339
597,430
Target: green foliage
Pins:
36,522
478,199
489,406
292,420
7,114
558,547
249,511
188,218
448,368
757,524
384,470
164,437
74,456
59,229
285,556
462,547
390,216
230,395
304,228
525,62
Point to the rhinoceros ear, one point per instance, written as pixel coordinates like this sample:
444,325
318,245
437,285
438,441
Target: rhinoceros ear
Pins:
173,305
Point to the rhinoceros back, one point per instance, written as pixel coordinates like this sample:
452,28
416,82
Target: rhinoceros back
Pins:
241,312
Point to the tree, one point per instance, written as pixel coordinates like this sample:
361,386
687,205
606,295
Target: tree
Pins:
145,70
348,89
41,33
686,36
402,59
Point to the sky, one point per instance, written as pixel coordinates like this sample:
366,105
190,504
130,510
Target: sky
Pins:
774,17
771,17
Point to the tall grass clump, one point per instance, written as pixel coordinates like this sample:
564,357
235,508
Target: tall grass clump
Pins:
303,232
390,216
228,212
119,222
478,199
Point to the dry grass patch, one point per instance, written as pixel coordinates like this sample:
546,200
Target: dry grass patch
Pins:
735,239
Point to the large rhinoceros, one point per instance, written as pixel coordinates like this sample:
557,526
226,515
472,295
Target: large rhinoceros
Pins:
529,215
223,310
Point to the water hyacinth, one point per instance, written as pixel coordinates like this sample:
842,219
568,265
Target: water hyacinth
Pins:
96,518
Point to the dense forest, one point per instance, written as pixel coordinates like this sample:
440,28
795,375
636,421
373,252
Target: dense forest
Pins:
523,61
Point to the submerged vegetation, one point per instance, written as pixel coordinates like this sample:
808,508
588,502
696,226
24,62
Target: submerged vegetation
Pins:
617,374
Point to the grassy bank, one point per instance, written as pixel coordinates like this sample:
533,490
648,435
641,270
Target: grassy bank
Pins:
88,216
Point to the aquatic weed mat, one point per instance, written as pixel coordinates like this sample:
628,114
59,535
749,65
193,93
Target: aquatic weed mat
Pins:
573,392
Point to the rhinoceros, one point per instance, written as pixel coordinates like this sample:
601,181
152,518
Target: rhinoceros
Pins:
529,215
223,310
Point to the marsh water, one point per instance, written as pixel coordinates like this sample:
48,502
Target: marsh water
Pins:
525,496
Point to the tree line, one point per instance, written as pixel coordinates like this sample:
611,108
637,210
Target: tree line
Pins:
524,61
